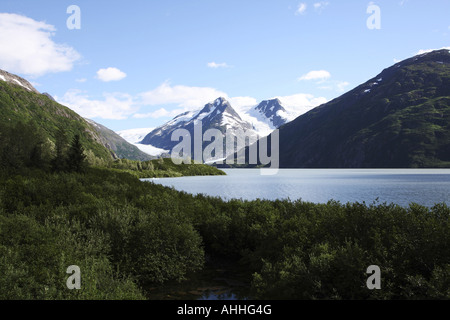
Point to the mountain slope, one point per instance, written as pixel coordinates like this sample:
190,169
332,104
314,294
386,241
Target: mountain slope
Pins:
116,143
259,121
20,102
16,80
271,112
217,115
400,118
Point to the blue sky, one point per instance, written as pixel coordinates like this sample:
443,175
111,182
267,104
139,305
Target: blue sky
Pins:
138,63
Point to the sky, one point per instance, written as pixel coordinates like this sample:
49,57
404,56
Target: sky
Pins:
139,63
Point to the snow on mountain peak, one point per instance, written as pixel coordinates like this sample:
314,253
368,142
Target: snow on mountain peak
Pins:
259,121
16,80
268,116
220,101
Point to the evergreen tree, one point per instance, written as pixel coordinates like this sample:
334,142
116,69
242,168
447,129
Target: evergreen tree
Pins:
59,162
37,158
76,160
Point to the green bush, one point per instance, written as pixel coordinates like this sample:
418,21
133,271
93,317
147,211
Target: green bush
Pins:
127,236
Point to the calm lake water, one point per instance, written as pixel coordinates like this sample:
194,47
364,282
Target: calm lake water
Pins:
401,186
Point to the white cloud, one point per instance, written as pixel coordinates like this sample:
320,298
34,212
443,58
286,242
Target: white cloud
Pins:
315,75
160,113
110,74
339,86
319,6
170,101
242,104
187,97
342,85
113,106
215,65
82,80
322,77
135,135
301,9
302,102
118,106
26,47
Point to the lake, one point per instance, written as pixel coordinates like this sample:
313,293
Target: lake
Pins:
401,186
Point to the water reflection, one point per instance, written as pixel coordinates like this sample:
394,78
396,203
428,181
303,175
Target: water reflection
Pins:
210,284
227,295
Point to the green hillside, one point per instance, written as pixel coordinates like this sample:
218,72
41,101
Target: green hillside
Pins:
118,145
18,104
399,119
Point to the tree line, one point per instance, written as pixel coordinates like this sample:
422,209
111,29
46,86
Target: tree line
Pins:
24,145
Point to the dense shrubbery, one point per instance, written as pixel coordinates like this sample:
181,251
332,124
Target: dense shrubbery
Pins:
321,251
51,221
127,235
328,248
163,167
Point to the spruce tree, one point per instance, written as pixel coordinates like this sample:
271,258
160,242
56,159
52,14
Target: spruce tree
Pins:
76,159
59,162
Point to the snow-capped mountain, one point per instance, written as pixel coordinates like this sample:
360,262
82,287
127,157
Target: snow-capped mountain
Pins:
271,112
216,115
259,121
268,116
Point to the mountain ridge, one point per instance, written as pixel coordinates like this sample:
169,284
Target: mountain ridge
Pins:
218,114
259,121
271,112
398,119
17,81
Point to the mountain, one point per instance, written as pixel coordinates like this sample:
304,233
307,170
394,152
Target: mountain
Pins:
21,102
271,112
259,121
16,80
215,115
398,119
118,144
